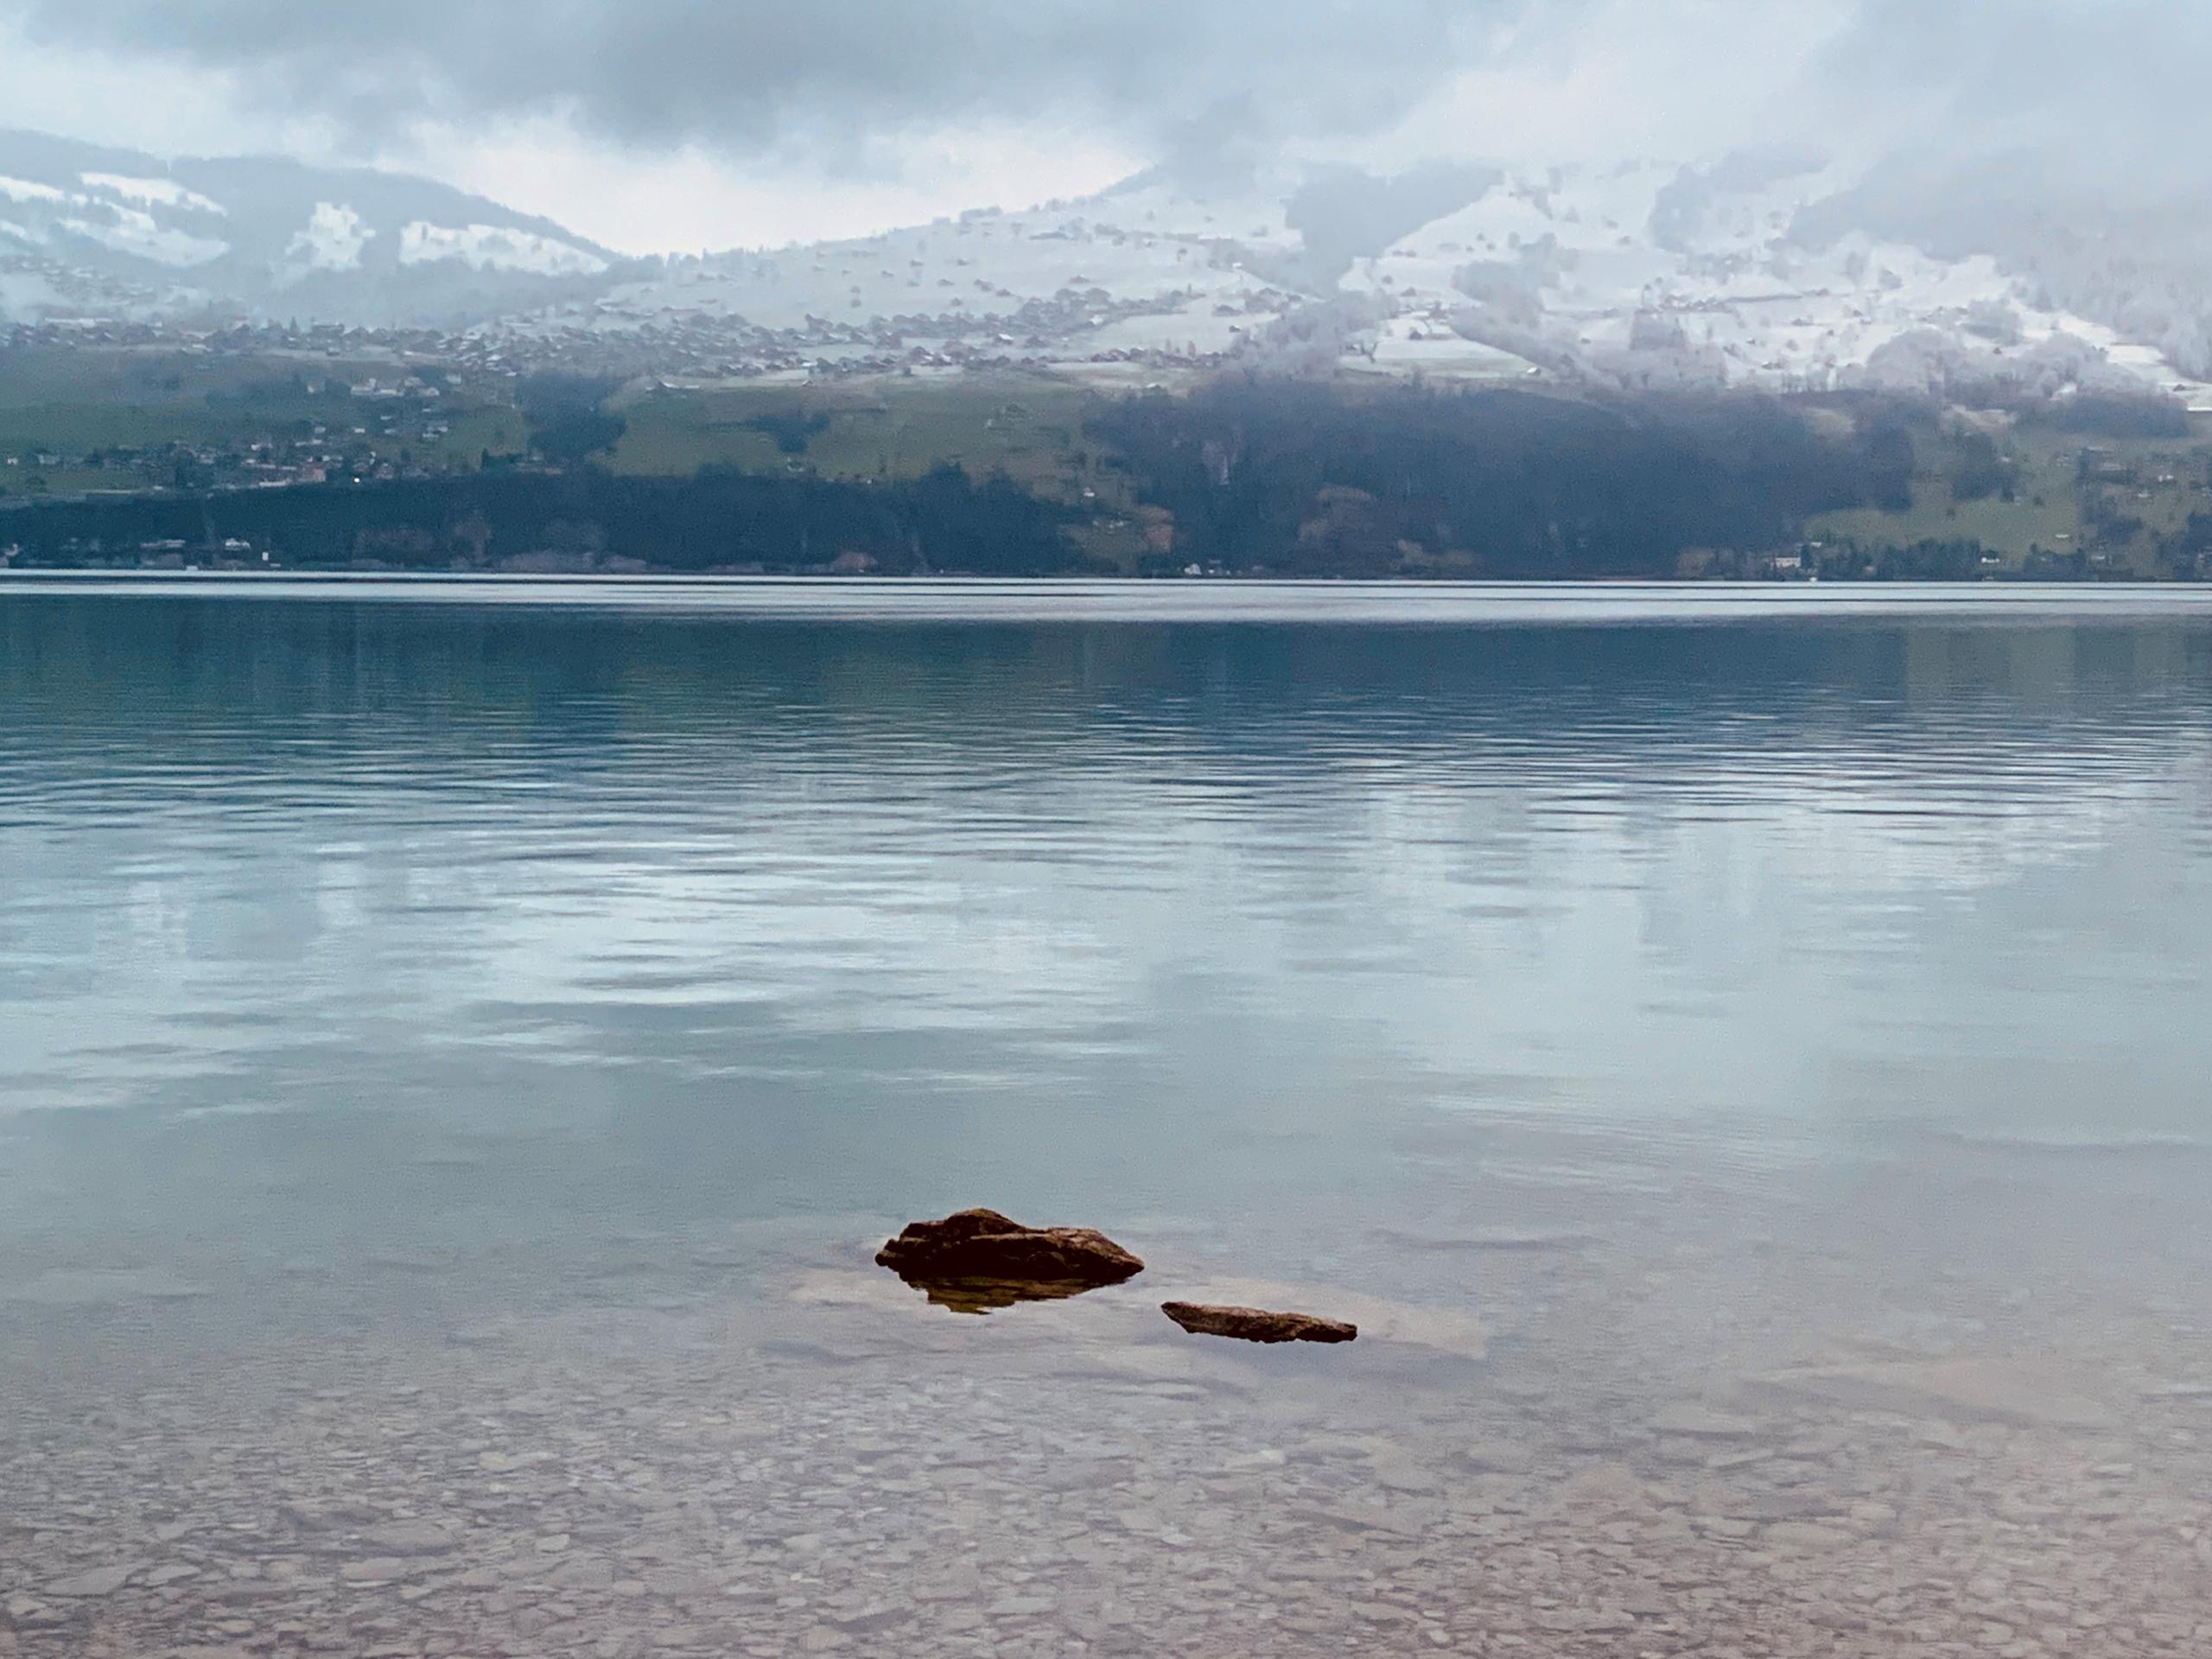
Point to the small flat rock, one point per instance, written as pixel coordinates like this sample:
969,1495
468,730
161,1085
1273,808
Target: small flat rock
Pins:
1405,1477
1451,1330
1257,1325
1499,1457
242,1591
1354,1518
326,1517
582,1575
409,1538
866,1620
382,1569
1805,1537
1797,1503
1700,1422
99,1581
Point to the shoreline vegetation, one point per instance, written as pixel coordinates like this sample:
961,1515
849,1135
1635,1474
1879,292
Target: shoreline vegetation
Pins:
1250,478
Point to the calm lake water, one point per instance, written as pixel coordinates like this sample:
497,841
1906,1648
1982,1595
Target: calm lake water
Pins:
1740,1055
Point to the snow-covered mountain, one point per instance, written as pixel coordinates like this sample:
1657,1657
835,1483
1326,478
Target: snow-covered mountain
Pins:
86,231
1779,270
1783,270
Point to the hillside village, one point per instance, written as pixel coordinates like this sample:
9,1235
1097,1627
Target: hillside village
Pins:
156,339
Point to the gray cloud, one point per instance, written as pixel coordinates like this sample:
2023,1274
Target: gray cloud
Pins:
2103,90
2113,84
739,75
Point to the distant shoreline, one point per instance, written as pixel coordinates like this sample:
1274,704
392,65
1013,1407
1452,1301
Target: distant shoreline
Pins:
1119,600
1993,586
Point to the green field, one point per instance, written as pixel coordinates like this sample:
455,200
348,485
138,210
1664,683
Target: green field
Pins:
27,480
2012,528
2052,503
474,431
73,401
1028,427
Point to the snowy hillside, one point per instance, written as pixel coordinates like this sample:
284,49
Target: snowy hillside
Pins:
1750,272
90,231
1777,271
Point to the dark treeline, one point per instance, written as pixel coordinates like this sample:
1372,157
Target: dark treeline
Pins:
2105,415
1244,476
583,518
1303,479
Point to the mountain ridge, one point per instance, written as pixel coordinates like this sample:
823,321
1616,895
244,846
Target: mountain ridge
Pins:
1777,269
91,230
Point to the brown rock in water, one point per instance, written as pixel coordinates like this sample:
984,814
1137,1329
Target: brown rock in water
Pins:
979,1259
1254,1324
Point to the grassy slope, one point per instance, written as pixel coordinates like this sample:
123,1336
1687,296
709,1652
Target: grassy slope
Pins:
2047,510
1029,427
76,401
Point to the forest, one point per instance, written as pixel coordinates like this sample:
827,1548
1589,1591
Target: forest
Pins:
1303,479
577,518
1247,475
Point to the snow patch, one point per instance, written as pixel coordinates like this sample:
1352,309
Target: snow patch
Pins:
24,190
333,240
489,247
128,230
152,192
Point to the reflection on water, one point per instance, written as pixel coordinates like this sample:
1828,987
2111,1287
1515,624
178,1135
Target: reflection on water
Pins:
993,1295
1742,1073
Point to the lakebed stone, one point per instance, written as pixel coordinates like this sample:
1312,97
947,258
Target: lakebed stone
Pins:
409,1538
1257,1325
99,1581
975,1260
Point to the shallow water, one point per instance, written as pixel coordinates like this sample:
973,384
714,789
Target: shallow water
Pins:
1739,1057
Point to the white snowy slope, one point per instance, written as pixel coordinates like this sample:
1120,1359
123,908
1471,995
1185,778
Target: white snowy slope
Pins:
1093,261
92,233
151,192
493,247
1648,274
1645,274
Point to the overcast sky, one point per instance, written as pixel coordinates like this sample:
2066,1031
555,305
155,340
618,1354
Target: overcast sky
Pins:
655,124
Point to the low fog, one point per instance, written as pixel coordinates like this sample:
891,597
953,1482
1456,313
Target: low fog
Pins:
2092,101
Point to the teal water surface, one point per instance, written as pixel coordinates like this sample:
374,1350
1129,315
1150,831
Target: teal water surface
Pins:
1739,1057
332,922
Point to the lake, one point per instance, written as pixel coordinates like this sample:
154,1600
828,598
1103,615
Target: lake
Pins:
1739,1055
